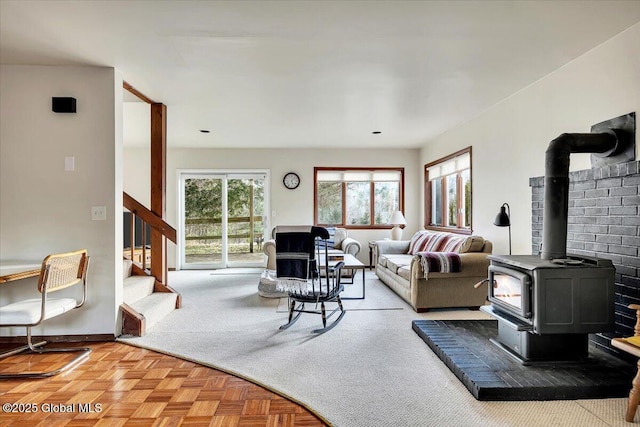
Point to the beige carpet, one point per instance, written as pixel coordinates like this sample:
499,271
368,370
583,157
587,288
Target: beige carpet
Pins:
371,370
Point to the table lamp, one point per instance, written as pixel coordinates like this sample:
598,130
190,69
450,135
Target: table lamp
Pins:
397,219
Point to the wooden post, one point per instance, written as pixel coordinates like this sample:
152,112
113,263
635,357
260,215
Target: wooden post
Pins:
158,188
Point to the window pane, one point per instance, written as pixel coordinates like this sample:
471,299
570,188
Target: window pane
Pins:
436,202
466,208
387,200
358,203
330,203
452,201
448,181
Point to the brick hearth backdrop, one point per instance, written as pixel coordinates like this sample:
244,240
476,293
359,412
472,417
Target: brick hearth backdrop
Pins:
604,221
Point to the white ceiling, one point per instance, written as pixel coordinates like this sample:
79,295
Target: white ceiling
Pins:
311,73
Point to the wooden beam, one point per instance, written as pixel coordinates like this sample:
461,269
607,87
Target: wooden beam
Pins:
136,93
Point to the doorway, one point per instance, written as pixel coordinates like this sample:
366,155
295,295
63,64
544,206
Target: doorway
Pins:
223,219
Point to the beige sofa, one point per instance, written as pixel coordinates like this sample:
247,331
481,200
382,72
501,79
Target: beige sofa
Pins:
339,243
403,272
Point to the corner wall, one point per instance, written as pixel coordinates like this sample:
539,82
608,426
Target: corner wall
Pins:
45,209
509,139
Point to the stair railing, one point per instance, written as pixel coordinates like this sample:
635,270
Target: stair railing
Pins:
138,210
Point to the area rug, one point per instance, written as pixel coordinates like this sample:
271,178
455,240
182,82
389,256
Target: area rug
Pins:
491,374
371,370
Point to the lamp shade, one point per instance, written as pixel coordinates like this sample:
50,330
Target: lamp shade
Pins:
397,219
502,219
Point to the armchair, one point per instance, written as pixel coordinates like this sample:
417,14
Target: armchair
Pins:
338,243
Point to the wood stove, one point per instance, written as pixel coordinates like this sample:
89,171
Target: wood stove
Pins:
546,306
546,309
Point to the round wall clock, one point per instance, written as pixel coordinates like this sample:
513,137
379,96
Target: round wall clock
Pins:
291,180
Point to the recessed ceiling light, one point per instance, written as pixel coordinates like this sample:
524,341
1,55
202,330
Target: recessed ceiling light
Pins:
204,131
376,132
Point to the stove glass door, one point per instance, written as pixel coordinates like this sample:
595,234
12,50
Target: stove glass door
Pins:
510,290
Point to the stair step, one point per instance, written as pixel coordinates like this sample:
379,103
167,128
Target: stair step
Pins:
155,306
135,288
126,268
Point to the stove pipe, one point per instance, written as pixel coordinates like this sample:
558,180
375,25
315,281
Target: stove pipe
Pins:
556,184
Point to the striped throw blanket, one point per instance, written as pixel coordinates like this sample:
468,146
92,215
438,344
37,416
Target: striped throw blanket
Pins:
440,262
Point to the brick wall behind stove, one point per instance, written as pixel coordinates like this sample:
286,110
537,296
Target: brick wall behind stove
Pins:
604,221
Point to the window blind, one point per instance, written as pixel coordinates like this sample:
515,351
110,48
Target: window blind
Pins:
359,176
454,165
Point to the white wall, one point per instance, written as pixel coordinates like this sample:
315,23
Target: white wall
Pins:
509,140
43,208
291,206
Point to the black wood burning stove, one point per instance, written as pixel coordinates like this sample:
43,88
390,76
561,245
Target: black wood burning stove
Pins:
546,309
546,306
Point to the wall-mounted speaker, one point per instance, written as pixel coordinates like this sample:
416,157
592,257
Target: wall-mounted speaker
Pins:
63,105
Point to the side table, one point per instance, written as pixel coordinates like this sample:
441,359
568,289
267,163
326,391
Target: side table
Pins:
372,244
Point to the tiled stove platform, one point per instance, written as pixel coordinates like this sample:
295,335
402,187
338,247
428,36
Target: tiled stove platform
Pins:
490,374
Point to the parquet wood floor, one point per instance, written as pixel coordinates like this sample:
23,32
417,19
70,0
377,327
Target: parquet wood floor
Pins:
121,385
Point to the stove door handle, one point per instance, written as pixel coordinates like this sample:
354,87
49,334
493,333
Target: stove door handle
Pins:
482,282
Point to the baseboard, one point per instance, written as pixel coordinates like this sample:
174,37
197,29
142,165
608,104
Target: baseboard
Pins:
59,338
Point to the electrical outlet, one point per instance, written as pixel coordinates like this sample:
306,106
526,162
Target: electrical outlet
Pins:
99,213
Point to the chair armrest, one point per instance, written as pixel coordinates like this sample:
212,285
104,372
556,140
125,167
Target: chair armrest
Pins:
350,246
382,247
269,249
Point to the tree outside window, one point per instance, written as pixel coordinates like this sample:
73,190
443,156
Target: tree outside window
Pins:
448,193
357,197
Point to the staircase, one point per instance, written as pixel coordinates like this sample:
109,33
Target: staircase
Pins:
139,298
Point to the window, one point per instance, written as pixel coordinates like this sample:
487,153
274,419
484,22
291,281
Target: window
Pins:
448,193
357,197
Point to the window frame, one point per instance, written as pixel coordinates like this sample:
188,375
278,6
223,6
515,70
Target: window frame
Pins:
459,191
371,225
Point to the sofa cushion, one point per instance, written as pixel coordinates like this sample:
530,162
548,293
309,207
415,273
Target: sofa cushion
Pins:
404,272
426,241
394,261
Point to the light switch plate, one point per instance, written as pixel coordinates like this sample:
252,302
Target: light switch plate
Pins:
99,213
69,163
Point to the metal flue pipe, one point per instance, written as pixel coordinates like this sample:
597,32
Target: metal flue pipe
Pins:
556,185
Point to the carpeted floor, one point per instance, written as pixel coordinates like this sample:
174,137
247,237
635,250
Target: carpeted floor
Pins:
371,370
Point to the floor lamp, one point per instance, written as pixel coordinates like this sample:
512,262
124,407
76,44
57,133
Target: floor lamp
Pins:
503,220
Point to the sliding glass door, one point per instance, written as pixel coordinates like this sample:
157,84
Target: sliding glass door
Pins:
223,219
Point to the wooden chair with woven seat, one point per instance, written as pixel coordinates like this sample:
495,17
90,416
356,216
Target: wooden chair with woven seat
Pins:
58,271
632,346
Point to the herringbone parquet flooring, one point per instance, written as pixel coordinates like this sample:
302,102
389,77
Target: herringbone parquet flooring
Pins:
121,385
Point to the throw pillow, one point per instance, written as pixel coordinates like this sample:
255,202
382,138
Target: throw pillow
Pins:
329,243
338,237
418,240
436,242
472,244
